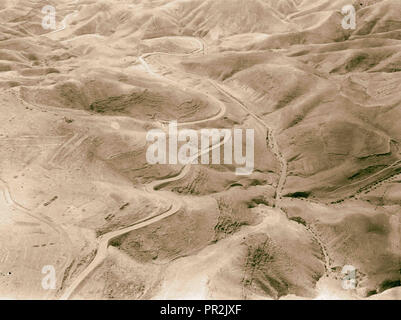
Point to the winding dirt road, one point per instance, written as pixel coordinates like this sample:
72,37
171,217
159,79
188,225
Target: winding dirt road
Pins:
176,205
201,49
274,147
105,239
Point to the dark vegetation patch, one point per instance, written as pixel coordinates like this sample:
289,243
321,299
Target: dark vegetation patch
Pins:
298,220
262,268
229,220
356,61
116,242
366,171
257,201
388,284
299,194
228,225
121,103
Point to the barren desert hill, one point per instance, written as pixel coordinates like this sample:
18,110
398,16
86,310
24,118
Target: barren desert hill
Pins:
300,104
358,234
76,187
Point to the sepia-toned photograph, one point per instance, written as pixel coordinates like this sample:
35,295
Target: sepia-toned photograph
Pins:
212,150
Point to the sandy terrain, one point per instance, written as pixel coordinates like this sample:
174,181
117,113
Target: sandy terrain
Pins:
79,197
